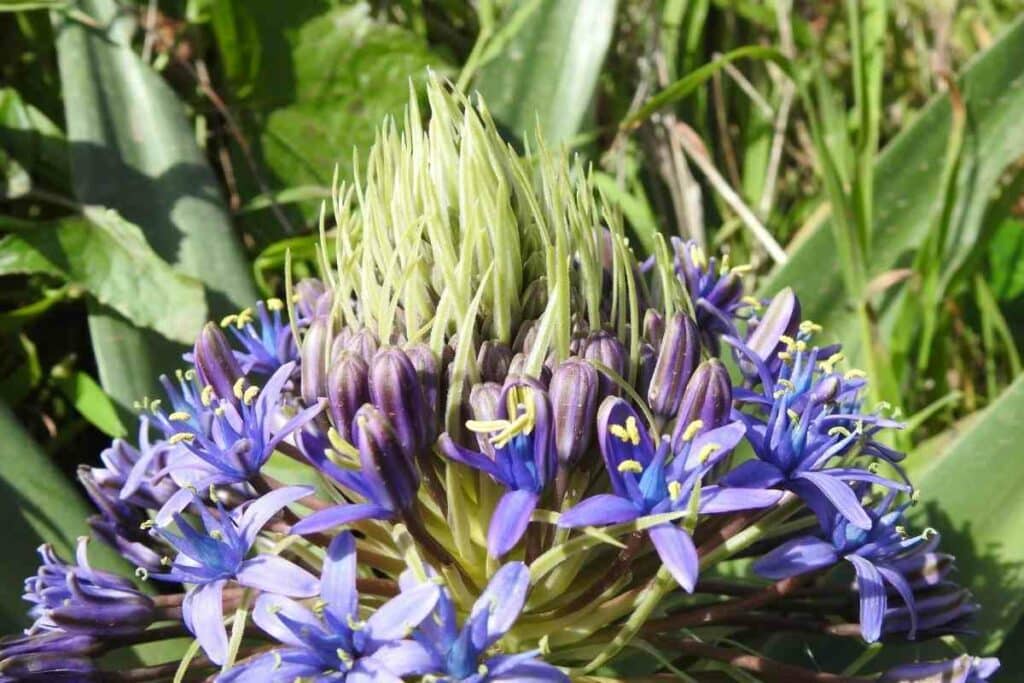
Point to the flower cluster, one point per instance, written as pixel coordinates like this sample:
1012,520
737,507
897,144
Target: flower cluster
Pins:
490,445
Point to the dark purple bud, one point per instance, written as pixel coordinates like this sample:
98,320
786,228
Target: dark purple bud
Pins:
604,348
428,369
395,390
102,611
348,388
517,368
573,394
382,453
494,358
781,318
49,643
535,299
314,357
677,358
215,361
364,342
525,337
654,326
646,362
49,668
483,403
708,398
964,668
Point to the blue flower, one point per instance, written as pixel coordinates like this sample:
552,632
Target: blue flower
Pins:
460,654
524,459
330,642
812,420
211,557
881,555
649,480
266,339
715,288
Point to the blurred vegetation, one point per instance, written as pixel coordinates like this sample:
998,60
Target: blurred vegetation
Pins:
159,158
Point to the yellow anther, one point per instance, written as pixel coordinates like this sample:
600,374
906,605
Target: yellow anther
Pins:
207,395
190,374
698,257
787,385
181,436
787,340
520,403
344,656
166,561
741,269
627,433
785,356
155,405
800,346
752,302
238,387
810,327
901,531
179,416
482,670
274,304
829,363
929,533
354,624
630,466
277,660
217,535
244,318
228,320
250,395
318,607
708,450
692,429
855,374
793,415
675,489
142,573
779,393
218,411
296,298
839,430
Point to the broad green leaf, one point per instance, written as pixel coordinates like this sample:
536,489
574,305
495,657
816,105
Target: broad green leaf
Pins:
89,400
14,180
28,136
1006,259
109,258
328,75
907,192
972,495
37,504
547,73
133,150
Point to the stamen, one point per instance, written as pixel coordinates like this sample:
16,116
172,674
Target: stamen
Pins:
179,416
180,437
854,373
810,327
675,489
708,450
630,466
692,429
142,573
839,430
207,395
250,395
228,320
628,433
274,304
278,661
238,387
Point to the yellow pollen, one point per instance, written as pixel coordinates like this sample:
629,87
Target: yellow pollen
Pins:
148,524
218,411
154,405
674,490
741,269
207,395
238,387
839,430
708,450
190,374
277,660
482,669
787,385
785,356
628,433
692,429
752,302
800,346
179,416
142,573
519,402
228,320
244,318
793,415
810,327
181,436
855,374
698,257
630,466
274,304
217,534
166,561
787,340
354,624
250,395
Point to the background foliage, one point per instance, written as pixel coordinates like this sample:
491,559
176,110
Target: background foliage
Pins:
159,158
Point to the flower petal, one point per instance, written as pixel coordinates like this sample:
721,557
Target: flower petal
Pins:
896,580
509,521
599,510
338,583
274,574
279,665
797,556
398,616
338,515
267,615
206,620
753,474
675,547
477,461
716,500
259,512
406,658
840,495
872,597
500,603
524,667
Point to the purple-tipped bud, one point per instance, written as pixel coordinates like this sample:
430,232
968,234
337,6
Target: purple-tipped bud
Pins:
348,388
483,403
604,348
428,369
517,368
573,394
708,398
677,358
525,337
364,342
314,356
395,389
382,453
535,299
965,669
49,643
312,298
654,326
782,317
49,656
215,361
494,358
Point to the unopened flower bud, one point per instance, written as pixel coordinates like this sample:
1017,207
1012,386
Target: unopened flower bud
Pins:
781,318
314,356
428,369
654,326
483,403
395,390
678,356
573,394
384,456
312,299
215,361
604,348
707,398
348,388
494,358
364,342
